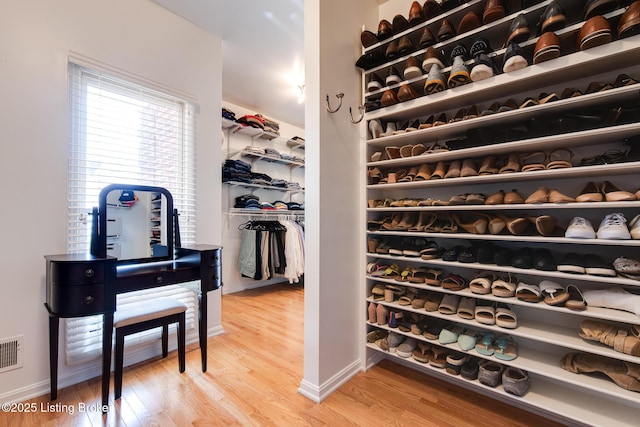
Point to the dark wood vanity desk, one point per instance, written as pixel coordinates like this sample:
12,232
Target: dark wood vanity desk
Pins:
80,285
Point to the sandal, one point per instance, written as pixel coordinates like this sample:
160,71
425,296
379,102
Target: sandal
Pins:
449,304
433,301
576,300
432,277
481,284
534,161
408,298
506,318
504,287
553,293
506,348
485,345
466,308
454,282
512,165
486,314
557,161
422,352
528,293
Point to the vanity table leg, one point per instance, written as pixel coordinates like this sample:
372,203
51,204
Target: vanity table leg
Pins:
54,327
107,336
202,330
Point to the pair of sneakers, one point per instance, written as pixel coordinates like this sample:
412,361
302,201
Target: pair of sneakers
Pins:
613,226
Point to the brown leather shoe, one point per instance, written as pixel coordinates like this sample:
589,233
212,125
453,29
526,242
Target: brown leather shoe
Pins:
406,93
594,32
431,9
446,31
392,50
367,38
400,23
629,24
427,39
405,45
385,30
598,7
547,47
388,98
553,18
432,56
416,14
469,22
411,68
493,10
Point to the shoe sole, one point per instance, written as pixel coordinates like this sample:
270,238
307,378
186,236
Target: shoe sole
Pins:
571,269
600,271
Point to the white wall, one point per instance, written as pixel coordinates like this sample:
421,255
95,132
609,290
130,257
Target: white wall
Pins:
335,245
231,235
36,37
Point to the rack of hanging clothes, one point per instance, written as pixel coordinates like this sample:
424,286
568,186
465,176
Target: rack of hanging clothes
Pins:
272,249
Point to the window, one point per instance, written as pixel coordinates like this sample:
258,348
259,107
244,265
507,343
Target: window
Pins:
126,133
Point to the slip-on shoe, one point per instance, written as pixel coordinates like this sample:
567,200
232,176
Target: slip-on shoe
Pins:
385,30
389,97
446,31
392,50
514,58
368,38
411,68
552,19
435,81
431,9
594,32
393,76
370,59
427,39
400,23
629,24
598,7
405,45
469,22
374,82
482,67
547,47
432,56
519,30
406,93
416,14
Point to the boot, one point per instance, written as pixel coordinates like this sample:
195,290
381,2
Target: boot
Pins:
620,339
615,369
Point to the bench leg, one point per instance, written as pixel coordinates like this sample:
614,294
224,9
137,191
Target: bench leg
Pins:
181,341
165,340
117,369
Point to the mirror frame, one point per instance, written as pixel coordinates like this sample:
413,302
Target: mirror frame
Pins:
99,249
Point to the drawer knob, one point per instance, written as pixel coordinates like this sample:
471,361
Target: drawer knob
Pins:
88,299
159,279
89,272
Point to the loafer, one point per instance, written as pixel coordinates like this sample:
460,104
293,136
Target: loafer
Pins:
598,7
389,97
594,32
416,14
515,381
446,31
400,23
405,45
385,30
368,38
552,19
431,9
629,24
427,39
411,68
470,369
522,259
493,10
543,260
432,56
374,82
393,76
519,30
547,47
572,263
406,93
447,5
370,59
392,50
514,58
469,22
490,373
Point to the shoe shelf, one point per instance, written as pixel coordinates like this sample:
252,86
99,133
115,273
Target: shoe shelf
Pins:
554,175
591,312
527,330
458,129
271,159
263,187
546,395
544,332
546,206
475,266
510,238
563,70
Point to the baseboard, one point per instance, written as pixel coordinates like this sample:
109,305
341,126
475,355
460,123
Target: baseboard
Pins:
92,370
319,393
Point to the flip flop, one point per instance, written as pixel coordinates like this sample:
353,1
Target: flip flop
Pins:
485,345
553,293
576,300
506,348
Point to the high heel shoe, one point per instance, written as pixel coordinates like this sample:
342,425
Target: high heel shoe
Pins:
495,223
545,224
408,220
479,226
516,226
440,171
513,198
424,219
495,199
376,128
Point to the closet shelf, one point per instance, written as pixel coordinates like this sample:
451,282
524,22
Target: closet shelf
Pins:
564,69
273,159
588,172
263,187
509,238
591,312
264,213
528,329
541,206
519,271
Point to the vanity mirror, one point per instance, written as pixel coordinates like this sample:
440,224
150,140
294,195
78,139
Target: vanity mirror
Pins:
135,223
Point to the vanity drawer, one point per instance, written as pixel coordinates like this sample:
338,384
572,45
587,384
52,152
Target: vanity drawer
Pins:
76,273
211,258
81,300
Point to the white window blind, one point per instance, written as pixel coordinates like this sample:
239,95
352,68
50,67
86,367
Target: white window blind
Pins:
126,133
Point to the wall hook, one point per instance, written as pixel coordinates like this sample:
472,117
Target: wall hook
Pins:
361,108
339,95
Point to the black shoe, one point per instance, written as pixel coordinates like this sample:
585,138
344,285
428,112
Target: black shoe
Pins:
543,260
593,264
523,259
553,18
572,263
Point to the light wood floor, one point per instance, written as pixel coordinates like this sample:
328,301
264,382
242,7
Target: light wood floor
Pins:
254,371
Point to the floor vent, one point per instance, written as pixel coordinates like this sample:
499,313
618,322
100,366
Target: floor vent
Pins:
10,353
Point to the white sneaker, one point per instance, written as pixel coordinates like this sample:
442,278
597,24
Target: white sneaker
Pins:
614,226
634,227
580,228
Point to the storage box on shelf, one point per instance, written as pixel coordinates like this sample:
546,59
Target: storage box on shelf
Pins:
582,132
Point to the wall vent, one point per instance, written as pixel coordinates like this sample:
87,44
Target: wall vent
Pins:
11,353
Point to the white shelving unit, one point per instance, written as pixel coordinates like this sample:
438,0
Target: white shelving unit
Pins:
544,333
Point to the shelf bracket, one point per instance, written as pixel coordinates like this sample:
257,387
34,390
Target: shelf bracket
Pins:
361,108
339,95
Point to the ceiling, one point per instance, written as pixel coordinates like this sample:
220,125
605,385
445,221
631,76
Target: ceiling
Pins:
262,51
